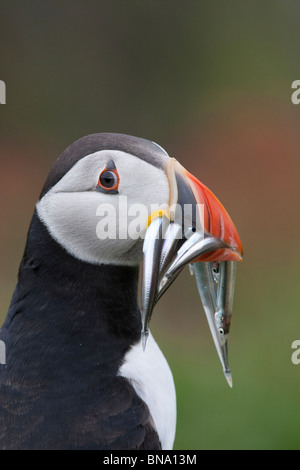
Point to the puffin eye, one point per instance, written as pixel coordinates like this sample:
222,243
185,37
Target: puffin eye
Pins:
108,180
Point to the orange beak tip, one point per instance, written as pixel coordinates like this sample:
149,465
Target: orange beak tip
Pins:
217,222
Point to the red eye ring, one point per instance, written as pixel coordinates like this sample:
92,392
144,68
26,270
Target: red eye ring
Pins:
109,179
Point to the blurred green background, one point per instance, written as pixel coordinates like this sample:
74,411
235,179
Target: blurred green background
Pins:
211,83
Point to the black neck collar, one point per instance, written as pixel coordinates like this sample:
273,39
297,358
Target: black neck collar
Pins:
45,256
68,303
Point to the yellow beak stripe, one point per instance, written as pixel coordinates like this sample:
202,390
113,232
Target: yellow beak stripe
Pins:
158,213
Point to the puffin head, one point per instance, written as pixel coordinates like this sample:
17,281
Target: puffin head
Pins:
118,199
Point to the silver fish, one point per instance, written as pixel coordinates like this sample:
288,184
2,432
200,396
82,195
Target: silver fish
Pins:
208,293
196,246
152,248
225,294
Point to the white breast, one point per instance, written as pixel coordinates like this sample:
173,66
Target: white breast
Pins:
151,377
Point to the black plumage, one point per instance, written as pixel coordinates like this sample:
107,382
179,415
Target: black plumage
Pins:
68,328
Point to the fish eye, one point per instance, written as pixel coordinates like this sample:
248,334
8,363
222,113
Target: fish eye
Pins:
216,270
215,267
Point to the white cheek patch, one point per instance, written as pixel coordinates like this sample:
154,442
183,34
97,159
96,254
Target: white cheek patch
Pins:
74,211
72,221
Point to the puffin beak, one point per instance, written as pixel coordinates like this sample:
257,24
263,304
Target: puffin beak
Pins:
193,229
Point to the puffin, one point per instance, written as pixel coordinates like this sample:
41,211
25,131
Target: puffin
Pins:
116,222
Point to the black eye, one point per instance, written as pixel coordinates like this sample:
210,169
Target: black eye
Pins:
216,270
108,179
